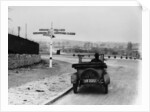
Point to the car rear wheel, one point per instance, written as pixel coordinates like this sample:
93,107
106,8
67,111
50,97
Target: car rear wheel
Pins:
105,88
75,88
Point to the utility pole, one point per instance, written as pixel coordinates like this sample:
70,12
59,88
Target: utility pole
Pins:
26,30
19,31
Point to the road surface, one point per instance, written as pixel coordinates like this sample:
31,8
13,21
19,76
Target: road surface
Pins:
123,89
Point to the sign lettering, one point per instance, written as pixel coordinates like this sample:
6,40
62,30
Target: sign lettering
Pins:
39,32
65,33
43,29
59,30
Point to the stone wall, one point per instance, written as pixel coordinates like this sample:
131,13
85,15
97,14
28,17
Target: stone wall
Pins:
20,60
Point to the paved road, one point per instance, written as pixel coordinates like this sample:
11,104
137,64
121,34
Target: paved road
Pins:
123,89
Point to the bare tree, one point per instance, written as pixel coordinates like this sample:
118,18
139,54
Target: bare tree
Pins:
129,48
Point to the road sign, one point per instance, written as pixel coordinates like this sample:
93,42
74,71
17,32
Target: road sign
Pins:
46,34
60,33
70,33
39,32
43,29
49,35
65,33
59,30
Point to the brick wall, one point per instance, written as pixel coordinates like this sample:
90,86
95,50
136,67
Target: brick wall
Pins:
20,60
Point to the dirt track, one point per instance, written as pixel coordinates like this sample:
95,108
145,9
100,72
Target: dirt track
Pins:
123,89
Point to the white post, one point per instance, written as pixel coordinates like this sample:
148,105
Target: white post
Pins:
50,58
51,44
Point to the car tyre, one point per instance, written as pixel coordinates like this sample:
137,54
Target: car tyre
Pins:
75,88
106,89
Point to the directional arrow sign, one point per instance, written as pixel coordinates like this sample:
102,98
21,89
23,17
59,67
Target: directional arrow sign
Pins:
48,35
43,29
65,33
59,30
39,32
70,33
60,33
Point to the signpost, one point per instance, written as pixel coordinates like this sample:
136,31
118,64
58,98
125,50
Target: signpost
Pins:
50,33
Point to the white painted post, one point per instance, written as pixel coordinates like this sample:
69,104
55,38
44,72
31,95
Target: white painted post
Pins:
51,48
51,44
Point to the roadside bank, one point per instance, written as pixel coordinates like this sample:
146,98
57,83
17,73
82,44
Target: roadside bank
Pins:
35,84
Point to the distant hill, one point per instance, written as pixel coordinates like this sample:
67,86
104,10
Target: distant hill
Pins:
63,43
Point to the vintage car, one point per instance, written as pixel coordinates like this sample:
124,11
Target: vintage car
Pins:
90,73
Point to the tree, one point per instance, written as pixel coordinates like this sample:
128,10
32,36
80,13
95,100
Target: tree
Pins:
129,46
76,49
88,46
105,50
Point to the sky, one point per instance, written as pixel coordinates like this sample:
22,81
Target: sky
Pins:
90,23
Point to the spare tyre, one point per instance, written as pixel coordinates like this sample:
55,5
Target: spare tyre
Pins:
90,74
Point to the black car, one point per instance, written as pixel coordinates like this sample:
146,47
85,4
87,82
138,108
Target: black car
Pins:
90,73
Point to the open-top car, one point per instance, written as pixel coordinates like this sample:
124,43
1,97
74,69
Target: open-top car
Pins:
90,73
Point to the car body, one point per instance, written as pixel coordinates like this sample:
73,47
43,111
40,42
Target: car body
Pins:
90,73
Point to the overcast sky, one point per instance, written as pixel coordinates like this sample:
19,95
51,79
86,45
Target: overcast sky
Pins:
90,23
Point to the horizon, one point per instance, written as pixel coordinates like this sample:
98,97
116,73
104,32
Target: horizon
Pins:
90,41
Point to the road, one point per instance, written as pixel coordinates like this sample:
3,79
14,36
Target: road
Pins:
123,89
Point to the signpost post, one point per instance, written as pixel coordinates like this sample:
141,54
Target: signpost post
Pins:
50,33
